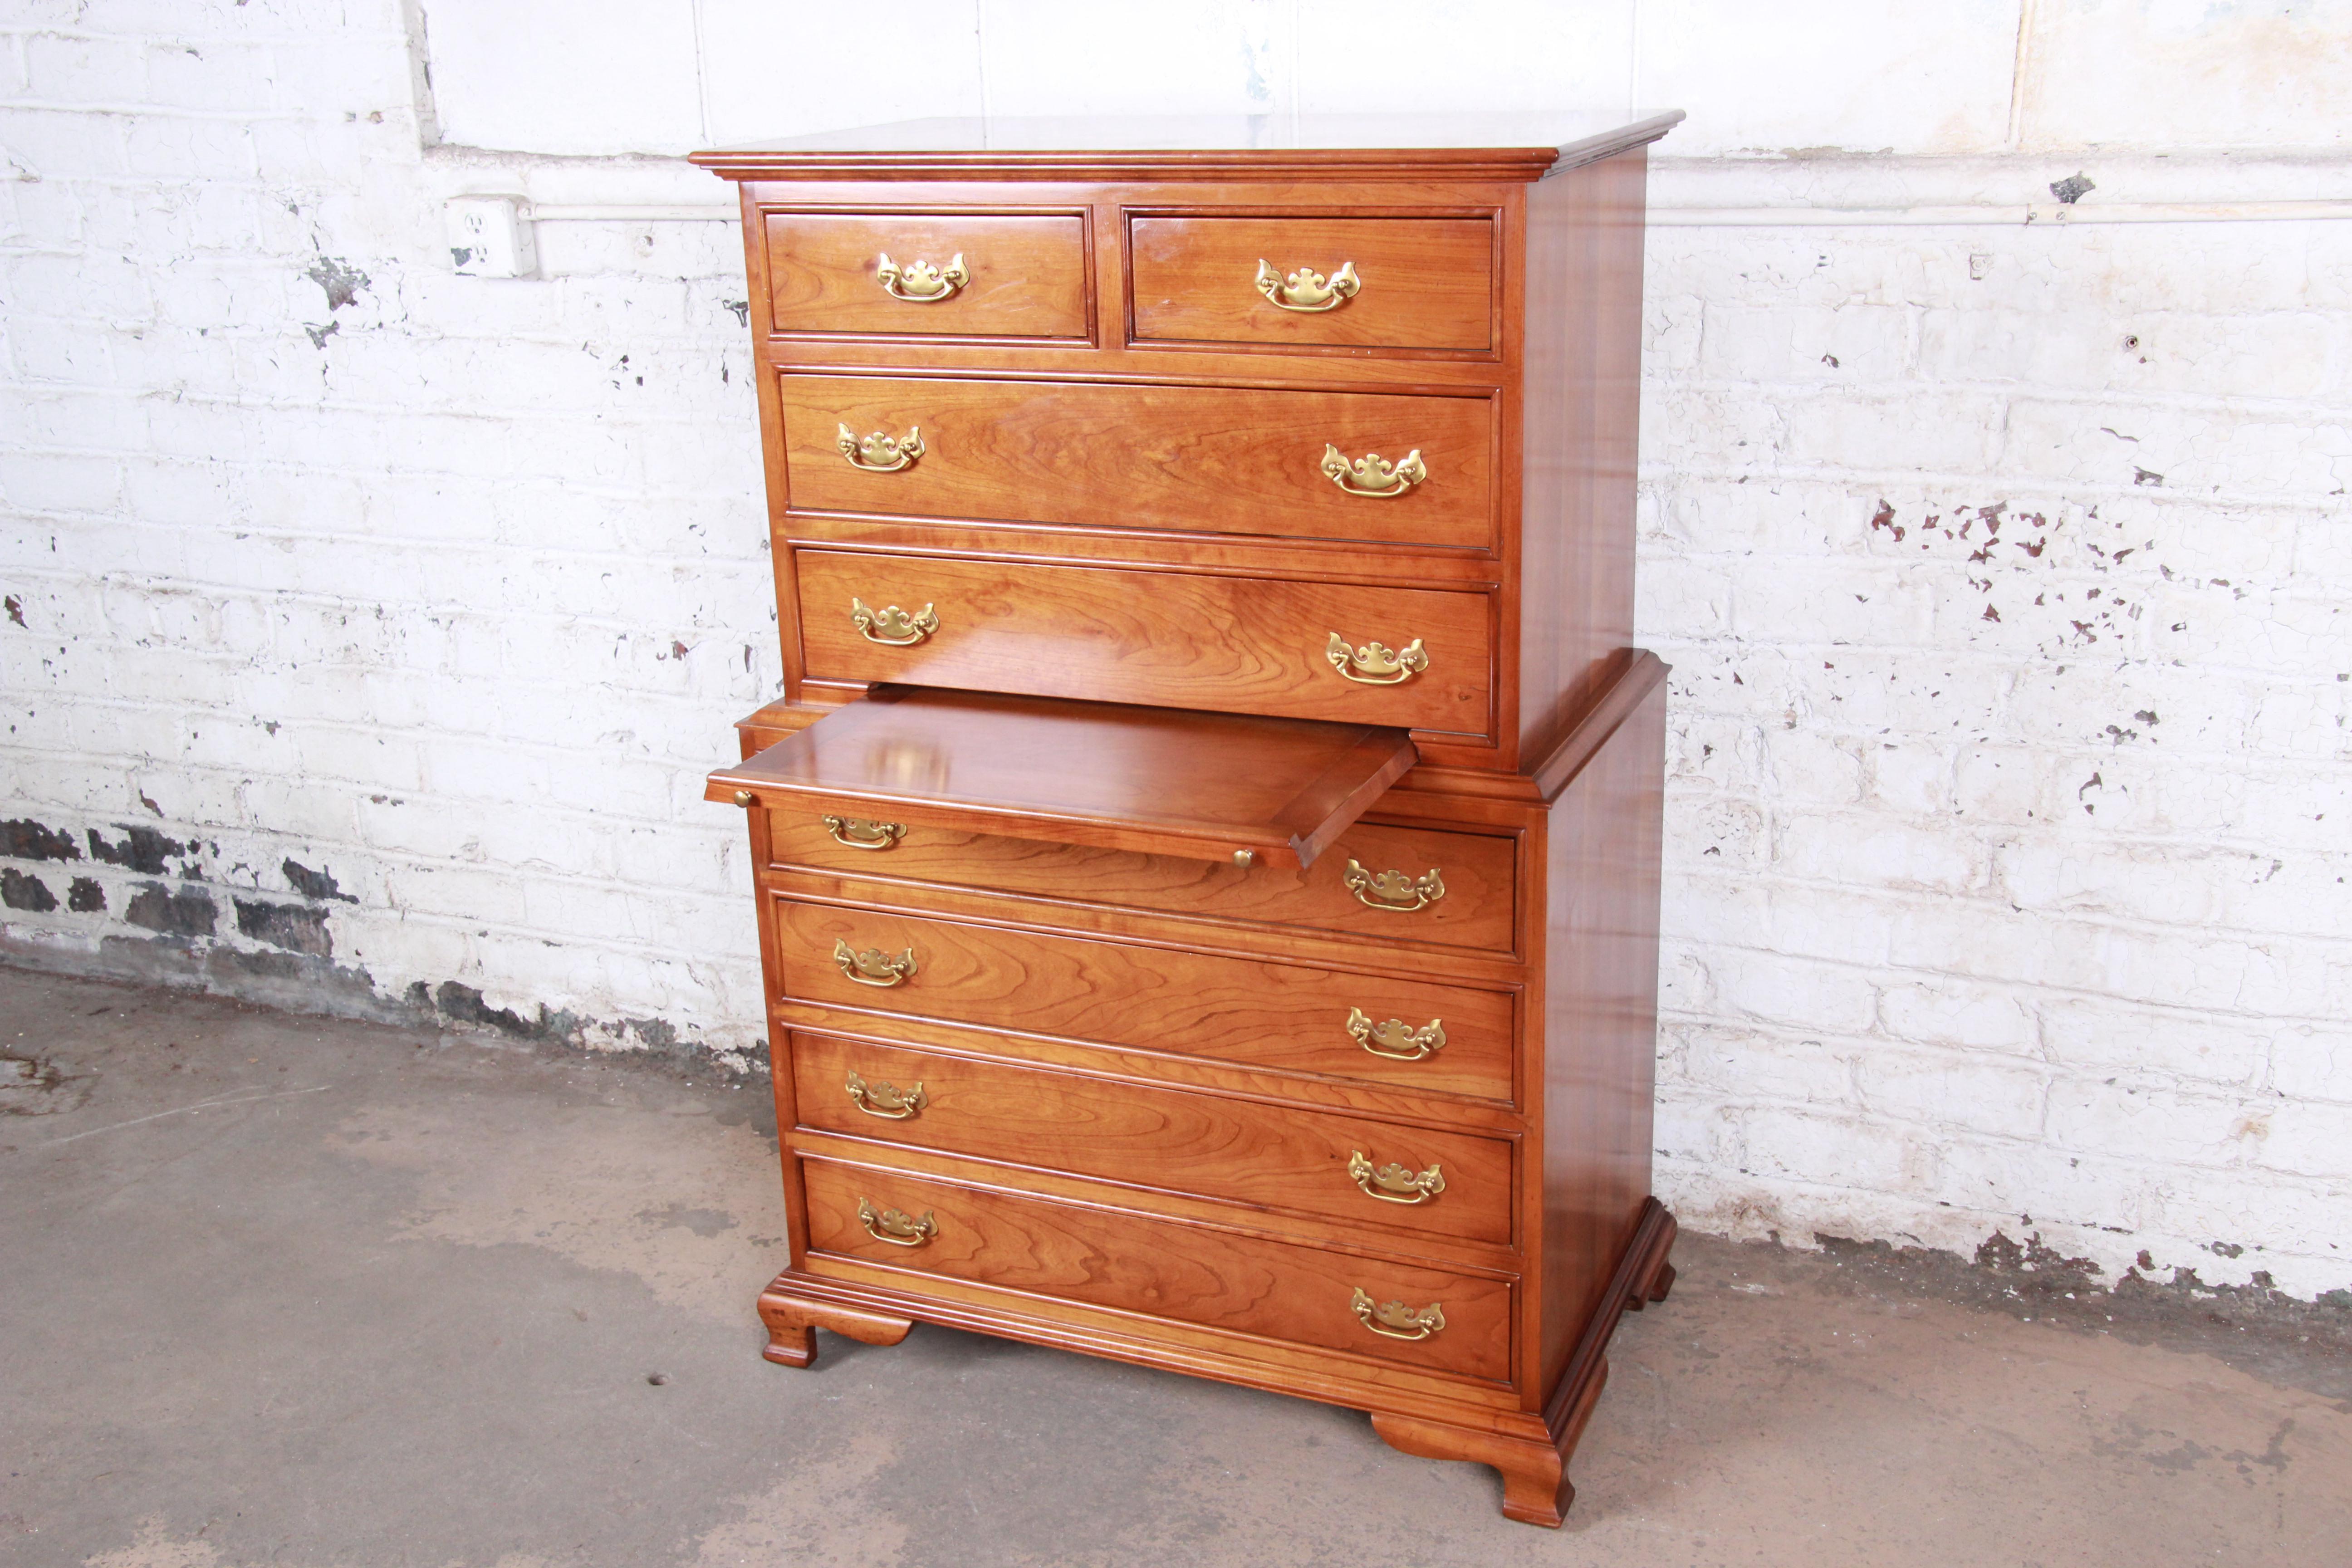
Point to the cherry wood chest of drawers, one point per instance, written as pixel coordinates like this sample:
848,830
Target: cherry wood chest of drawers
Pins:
1207,849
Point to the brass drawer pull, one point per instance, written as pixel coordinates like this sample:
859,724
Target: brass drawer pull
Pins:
1307,289
1396,1039
1395,1184
1369,475
885,1100
873,967
1376,664
880,453
890,626
1393,889
905,1230
1395,1321
919,282
857,831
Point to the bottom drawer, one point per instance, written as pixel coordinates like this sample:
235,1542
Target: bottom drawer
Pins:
1428,1319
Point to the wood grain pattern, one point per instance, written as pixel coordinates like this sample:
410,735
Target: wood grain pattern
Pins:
1479,910
1208,459
1215,1146
1189,1272
1288,1018
1581,397
1603,839
1208,785
1426,283
1237,645
1028,274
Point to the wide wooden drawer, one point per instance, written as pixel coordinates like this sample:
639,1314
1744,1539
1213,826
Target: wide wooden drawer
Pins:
1200,1145
1411,1035
1201,460
1470,902
1168,639
983,275
1161,1269
1411,283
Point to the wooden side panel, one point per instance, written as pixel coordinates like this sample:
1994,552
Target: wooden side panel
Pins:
1582,401
1168,1139
1601,1020
1163,1268
1288,1018
1235,645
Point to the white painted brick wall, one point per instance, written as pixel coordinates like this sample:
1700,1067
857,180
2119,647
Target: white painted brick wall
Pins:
2036,923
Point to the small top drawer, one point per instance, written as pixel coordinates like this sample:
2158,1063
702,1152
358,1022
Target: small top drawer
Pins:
976,275
1398,283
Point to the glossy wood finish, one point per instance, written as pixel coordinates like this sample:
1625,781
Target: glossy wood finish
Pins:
1173,1140
1138,1041
1285,1018
1198,1274
1029,274
1204,459
1479,870
1425,283
1238,645
1602,848
1209,785
1582,409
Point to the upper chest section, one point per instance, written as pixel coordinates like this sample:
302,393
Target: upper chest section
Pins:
1341,283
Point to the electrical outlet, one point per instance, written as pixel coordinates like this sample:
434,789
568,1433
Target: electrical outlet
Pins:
490,238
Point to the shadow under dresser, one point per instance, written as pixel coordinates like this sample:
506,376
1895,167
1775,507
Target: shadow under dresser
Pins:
1207,849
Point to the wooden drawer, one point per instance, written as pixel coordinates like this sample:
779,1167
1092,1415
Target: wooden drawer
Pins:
1161,1268
1477,872
1201,460
1025,276
1420,283
1282,1017
1167,640
1202,1145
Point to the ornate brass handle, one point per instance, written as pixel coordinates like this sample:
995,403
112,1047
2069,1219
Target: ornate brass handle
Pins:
1371,475
880,453
873,967
890,626
1376,664
885,1100
1395,1184
904,1230
1307,289
1396,1039
1395,1321
857,831
919,282
1393,889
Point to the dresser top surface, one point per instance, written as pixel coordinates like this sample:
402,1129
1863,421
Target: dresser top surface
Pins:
1520,145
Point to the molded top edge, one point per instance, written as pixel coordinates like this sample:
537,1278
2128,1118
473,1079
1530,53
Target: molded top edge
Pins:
1415,146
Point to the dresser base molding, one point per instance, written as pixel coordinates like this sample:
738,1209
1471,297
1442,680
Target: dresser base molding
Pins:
1531,1451
793,1321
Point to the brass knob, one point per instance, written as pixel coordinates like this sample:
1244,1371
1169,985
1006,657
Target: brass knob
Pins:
744,797
1245,858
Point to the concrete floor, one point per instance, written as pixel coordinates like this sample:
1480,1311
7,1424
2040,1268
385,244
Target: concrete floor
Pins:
280,1291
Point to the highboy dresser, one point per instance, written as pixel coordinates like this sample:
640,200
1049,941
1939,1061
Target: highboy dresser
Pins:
1207,849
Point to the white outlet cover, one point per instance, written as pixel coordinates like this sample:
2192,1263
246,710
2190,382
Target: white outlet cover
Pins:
490,238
